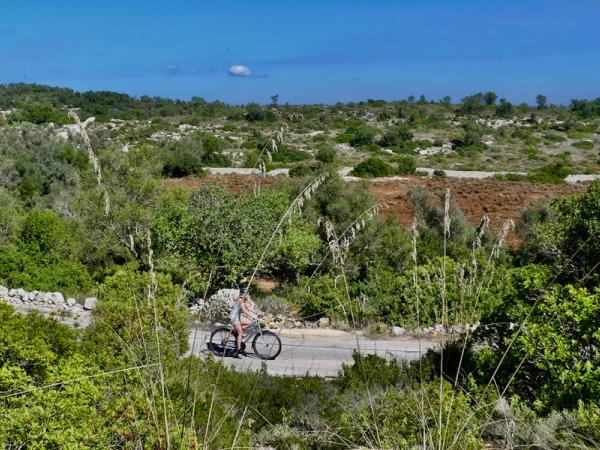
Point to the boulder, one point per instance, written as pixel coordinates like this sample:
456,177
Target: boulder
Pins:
324,322
71,302
397,331
219,305
57,298
3,292
90,303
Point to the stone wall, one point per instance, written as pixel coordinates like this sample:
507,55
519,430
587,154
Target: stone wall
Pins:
50,304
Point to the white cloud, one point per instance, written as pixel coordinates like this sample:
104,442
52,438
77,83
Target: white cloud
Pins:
240,70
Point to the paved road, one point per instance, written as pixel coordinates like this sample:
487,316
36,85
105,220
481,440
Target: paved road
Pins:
319,352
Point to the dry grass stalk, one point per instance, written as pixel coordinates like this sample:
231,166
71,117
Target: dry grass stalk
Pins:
92,157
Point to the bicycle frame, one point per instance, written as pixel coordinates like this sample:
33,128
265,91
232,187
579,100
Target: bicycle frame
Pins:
249,332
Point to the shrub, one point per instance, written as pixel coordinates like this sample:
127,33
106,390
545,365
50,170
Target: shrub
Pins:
361,135
256,113
406,165
439,173
397,135
553,137
372,167
551,173
583,145
134,326
39,113
290,154
326,154
188,156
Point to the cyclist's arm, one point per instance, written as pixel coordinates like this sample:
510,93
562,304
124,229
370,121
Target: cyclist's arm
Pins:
246,309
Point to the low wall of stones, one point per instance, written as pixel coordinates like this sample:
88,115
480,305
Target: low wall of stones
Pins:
50,304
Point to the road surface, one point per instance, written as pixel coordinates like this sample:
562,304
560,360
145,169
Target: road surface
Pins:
318,352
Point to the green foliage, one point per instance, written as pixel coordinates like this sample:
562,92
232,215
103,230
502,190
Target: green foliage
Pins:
583,145
38,168
397,136
372,167
326,154
189,155
290,154
218,232
138,319
569,239
553,357
256,113
360,134
553,137
38,113
293,253
504,108
406,165
551,173
45,256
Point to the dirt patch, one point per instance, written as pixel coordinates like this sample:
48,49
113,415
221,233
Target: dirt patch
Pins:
500,199
235,184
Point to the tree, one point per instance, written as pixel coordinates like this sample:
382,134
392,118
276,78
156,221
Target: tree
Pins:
541,101
504,109
446,101
490,98
274,99
472,104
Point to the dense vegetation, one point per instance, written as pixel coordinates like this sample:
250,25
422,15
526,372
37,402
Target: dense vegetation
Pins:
528,376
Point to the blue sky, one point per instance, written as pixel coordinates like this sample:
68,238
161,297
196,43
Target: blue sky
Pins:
307,51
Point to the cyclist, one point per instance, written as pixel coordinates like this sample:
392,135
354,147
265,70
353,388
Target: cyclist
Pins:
238,317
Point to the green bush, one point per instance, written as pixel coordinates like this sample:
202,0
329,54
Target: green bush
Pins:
39,113
397,136
190,155
326,154
551,173
256,113
45,257
406,165
134,326
372,167
290,154
553,137
583,145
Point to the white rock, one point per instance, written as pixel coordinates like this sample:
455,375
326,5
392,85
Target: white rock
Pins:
71,302
43,297
324,322
90,303
57,297
3,291
397,331
18,293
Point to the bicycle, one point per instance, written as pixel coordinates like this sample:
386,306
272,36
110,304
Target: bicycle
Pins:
266,344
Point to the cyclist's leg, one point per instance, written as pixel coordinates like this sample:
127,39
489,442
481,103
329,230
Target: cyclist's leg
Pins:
245,323
238,335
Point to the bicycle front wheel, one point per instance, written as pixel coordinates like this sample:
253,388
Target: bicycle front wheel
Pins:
222,341
266,345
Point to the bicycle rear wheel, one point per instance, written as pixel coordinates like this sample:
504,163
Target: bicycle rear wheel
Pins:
266,345
222,341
